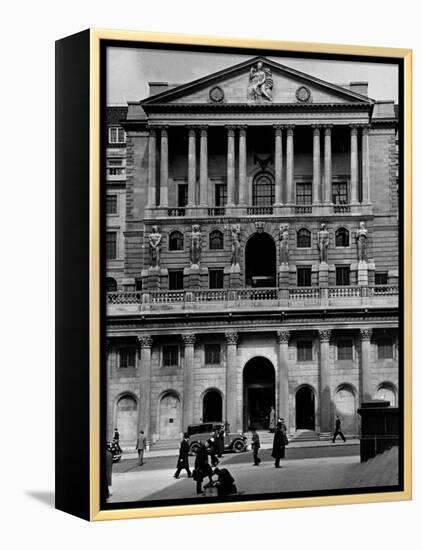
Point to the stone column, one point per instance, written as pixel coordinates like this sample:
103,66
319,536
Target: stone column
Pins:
188,379
152,167
191,167
290,165
365,335
203,168
366,196
145,344
316,179
242,165
325,389
353,164
327,166
283,337
230,166
164,168
278,164
232,416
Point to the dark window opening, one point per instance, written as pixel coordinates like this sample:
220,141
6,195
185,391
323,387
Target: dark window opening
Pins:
220,194
170,356
182,195
212,354
303,238
342,237
381,278
111,285
175,279
111,245
303,193
216,240
176,241
216,278
385,348
344,349
111,204
263,190
127,357
340,193
304,350
343,275
304,276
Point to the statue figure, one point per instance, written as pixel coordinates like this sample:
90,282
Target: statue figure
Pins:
195,245
322,244
260,82
284,243
155,246
235,229
361,239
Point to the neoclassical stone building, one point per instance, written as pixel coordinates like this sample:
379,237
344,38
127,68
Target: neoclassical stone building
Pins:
260,255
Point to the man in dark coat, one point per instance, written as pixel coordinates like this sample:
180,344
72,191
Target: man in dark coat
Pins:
225,484
338,431
220,441
116,439
202,468
256,444
278,445
107,476
212,450
183,461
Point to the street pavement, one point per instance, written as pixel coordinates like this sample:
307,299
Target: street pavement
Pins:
305,468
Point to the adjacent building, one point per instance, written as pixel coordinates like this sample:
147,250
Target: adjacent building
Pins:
252,236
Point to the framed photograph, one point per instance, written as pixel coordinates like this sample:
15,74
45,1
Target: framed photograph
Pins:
233,274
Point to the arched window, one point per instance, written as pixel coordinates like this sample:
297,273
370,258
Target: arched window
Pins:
176,241
263,190
111,285
216,240
342,237
303,238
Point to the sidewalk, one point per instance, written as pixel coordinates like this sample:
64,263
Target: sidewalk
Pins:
292,445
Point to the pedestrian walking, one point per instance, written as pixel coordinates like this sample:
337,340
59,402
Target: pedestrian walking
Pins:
338,431
279,444
225,483
116,440
141,444
183,460
256,444
212,450
220,442
202,468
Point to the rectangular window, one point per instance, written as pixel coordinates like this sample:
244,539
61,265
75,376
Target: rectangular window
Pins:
304,276
381,278
182,195
175,279
111,204
385,348
171,356
116,135
345,349
343,275
212,354
304,350
303,193
138,285
127,358
220,194
216,278
111,245
340,194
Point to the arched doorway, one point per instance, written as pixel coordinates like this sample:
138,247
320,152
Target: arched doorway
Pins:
212,407
127,419
260,255
345,407
258,393
305,409
170,416
387,392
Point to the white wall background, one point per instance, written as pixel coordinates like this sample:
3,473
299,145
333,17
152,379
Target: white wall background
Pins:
27,269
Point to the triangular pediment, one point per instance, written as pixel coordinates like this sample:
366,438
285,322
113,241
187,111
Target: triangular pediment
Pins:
258,81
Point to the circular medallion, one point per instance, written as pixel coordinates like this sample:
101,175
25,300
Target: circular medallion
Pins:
303,94
216,94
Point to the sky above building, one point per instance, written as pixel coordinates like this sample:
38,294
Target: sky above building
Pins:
130,70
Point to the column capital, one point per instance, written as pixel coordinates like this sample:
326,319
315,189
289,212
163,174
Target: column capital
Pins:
231,337
366,334
365,129
230,130
278,129
164,131
242,127
152,130
189,339
191,130
325,335
327,127
290,128
203,130
316,128
145,341
353,129
283,336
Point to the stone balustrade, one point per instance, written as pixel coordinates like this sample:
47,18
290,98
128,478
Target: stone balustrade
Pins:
381,295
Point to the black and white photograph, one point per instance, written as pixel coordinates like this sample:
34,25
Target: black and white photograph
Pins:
252,280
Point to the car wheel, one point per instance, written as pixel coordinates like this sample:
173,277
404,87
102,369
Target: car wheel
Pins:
194,448
238,446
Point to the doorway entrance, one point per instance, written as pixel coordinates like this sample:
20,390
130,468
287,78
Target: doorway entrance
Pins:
212,407
170,416
260,255
258,393
305,409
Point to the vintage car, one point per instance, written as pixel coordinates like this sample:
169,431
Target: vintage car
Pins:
200,433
